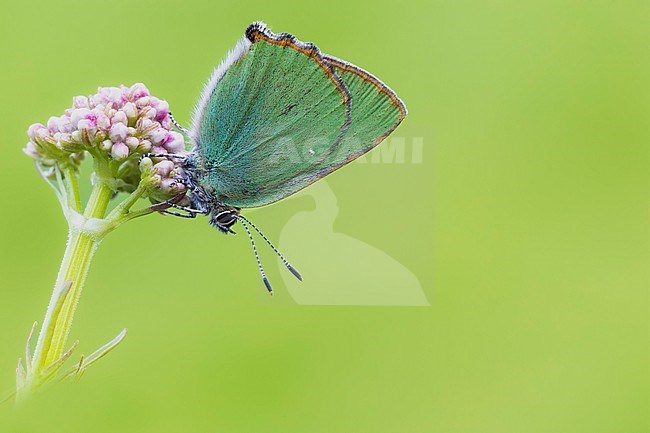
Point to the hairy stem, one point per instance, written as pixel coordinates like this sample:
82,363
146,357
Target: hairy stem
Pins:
87,228
72,189
81,246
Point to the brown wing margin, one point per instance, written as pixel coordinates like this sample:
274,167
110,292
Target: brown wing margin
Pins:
383,88
258,30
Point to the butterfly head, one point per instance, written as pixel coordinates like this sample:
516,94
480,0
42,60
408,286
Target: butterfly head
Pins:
223,218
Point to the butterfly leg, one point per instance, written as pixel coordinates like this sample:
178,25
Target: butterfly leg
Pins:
184,208
178,214
167,204
164,155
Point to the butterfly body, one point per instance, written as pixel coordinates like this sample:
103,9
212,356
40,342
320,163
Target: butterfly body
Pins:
204,198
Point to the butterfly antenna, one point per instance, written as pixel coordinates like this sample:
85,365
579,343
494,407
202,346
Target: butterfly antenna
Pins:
257,257
179,127
286,263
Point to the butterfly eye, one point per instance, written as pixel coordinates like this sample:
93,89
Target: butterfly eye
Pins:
224,219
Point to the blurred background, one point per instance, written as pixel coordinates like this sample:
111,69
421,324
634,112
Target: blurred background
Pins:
522,227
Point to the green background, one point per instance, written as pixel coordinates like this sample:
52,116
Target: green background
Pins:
526,225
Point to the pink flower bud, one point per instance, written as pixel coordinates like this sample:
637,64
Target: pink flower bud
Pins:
145,146
31,150
166,122
162,109
86,124
65,139
80,102
120,117
42,133
122,123
98,99
168,185
175,142
65,125
119,151
142,102
158,136
148,113
106,145
88,130
53,124
163,168
130,110
103,122
33,130
77,115
77,137
132,143
137,91
144,123
118,132
116,97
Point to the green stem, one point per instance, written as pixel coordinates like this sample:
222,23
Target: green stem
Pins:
74,268
84,236
124,207
72,189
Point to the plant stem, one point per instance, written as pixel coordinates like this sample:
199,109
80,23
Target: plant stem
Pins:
80,249
72,189
85,233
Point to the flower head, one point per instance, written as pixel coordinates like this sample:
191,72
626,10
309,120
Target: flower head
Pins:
118,125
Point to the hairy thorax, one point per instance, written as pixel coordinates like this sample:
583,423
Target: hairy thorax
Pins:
203,197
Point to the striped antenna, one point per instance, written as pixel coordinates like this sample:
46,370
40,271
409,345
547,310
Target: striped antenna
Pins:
179,127
257,257
286,263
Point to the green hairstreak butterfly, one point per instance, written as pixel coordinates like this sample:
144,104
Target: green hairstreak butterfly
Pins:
275,116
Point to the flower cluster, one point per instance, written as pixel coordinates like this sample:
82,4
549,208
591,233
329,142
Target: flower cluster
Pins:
117,125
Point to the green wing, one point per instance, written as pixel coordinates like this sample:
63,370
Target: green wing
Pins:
278,115
376,112
271,114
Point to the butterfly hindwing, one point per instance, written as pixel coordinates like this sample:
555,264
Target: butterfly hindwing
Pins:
278,115
376,112
270,114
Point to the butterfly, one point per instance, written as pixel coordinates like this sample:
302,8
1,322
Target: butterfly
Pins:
275,116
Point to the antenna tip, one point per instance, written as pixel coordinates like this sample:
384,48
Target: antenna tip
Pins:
294,272
268,285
